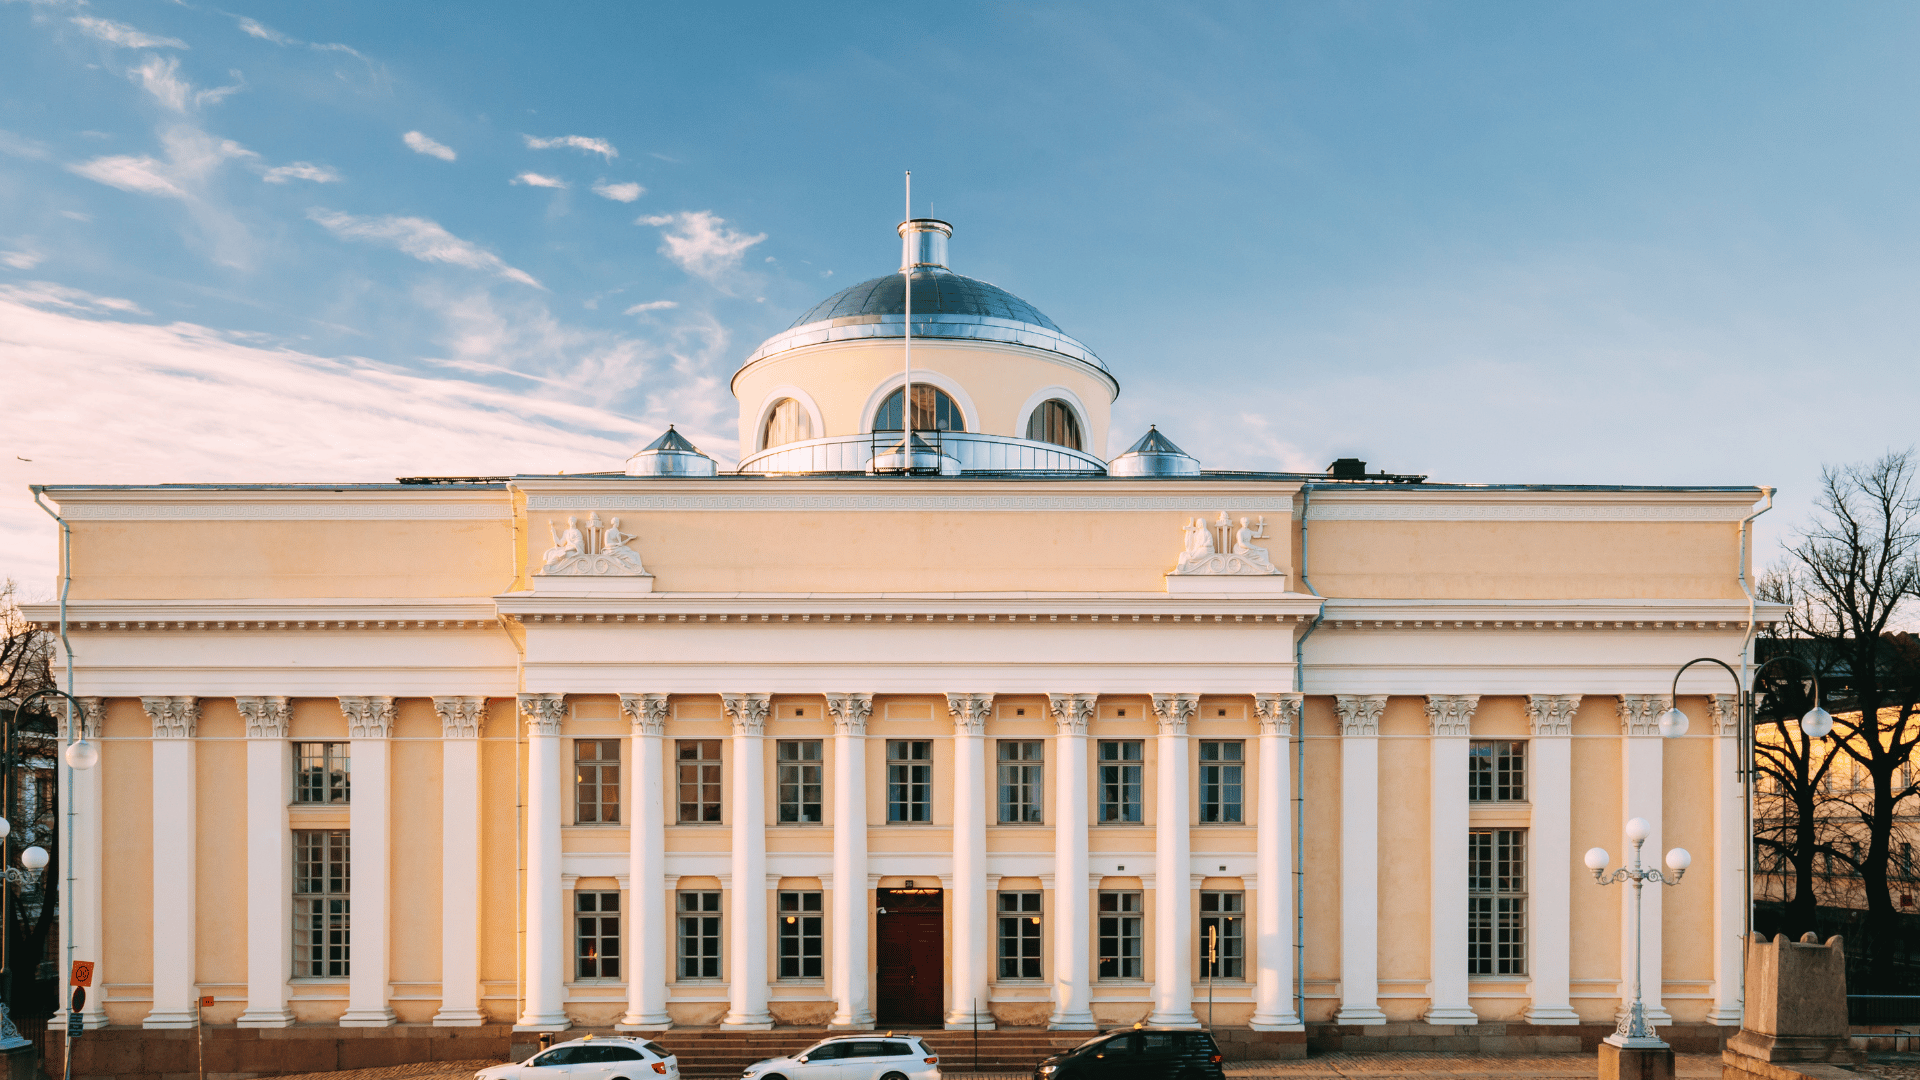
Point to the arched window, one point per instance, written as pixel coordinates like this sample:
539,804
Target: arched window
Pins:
933,410
787,422
1054,421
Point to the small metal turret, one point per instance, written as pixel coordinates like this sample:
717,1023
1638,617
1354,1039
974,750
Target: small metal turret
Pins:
1154,455
671,455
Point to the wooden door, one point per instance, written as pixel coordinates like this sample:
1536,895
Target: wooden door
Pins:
910,982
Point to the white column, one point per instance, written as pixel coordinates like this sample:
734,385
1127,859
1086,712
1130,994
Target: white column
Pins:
461,719
545,962
370,851
852,974
1273,912
1072,910
1550,857
971,950
269,862
646,866
1449,723
82,799
1359,718
1642,764
175,830
1729,863
1172,866
747,915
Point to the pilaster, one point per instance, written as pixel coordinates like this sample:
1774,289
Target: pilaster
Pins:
1273,1007
747,913
1172,858
647,919
971,949
370,827
269,861
175,832
1359,721
1550,856
545,927
1642,772
850,970
1072,896
461,720
1731,850
1449,725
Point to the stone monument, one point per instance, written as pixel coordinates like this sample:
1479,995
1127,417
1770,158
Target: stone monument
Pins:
1796,1007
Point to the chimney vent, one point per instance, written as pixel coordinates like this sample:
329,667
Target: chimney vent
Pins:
1347,468
924,242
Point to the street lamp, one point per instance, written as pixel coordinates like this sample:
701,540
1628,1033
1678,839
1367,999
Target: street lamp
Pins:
1633,1032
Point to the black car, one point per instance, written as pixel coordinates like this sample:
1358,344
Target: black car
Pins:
1141,1053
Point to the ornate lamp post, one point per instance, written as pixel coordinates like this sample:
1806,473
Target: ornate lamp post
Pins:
1633,1032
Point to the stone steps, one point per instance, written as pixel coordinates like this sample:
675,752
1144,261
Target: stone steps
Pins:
705,1054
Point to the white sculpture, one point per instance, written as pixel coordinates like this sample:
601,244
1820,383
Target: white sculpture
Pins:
1203,554
597,551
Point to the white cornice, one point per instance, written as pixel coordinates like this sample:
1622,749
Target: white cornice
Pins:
909,607
232,616
1520,504
426,502
1635,615
892,494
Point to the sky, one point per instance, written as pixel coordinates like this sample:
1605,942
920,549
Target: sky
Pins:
1500,242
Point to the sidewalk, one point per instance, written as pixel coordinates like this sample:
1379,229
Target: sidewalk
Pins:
1336,1066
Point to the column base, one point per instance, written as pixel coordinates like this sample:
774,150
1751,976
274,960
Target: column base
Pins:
1081,1020
1182,1019
1364,1015
369,1018
1276,1022
174,1019
543,1023
1450,1016
1552,1014
747,1022
265,1018
659,1021
89,1021
459,1018
985,1023
1730,1016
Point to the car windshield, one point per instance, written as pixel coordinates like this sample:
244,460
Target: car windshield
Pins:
1090,1042
824,1051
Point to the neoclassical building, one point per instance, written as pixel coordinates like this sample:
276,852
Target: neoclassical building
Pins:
960,724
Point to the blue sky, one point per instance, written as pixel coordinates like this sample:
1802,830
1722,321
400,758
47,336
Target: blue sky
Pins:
1491,242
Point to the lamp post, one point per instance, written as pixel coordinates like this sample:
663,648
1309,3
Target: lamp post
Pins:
1633,1032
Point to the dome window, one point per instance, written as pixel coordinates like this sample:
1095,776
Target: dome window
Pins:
933,410
1055,422
787,422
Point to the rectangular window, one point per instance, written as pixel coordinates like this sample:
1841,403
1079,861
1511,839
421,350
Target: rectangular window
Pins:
1496,770
1019,935
1120,765
1223,935
321,881
699,765
798,775
1497,902
596,935
800,934
909,780
1120,940
596,781
699,935
322,772
1020,791
1221,765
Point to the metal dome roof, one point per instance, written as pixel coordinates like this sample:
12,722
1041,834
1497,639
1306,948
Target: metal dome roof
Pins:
936,291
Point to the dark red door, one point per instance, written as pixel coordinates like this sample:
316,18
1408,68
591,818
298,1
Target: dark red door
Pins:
911,976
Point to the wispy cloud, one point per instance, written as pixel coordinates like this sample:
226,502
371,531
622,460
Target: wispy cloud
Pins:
265,33
117,33
145,175
578,142
21,260
301,170
701,243
533,179
192,155
421,144
21,146
618,192
652,305
48,294
423,239
161,77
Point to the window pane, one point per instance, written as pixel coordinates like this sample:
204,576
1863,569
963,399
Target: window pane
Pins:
1221,782
1497,770
787,422
1019,935
1020,781
909,780
1119,927
1222,945
933,410
1496,902
699,935
321,904
800,935
596,935
798,776
698,763
321,773
1055,422
596,781
1120,781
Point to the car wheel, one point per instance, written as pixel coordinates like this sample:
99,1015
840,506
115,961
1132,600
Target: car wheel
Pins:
774,1076
894,1076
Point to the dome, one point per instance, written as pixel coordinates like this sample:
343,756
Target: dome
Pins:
946,306
936,291
1154,455
670,455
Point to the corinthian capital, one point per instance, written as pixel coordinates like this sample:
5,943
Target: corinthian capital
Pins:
93,714
266,717
747,711
1640,713
1172,711
460,717
646,712
543,712
1278,713
1072,713
173,717
1551,714
1723,711
369,717
1359,714
969,712
1451,715
850,713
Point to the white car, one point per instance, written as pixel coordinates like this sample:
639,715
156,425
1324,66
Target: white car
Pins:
595,1057
853,1057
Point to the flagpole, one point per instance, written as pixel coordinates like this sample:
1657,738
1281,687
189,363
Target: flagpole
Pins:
906,387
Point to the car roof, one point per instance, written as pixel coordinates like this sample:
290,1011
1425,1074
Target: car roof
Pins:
589,1040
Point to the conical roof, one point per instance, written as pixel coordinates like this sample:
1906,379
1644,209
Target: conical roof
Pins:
671,455
1154,455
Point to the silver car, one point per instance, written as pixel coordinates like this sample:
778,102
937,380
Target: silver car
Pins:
595,1057
853,1057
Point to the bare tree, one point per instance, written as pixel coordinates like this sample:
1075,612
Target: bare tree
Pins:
29,801
1848,581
